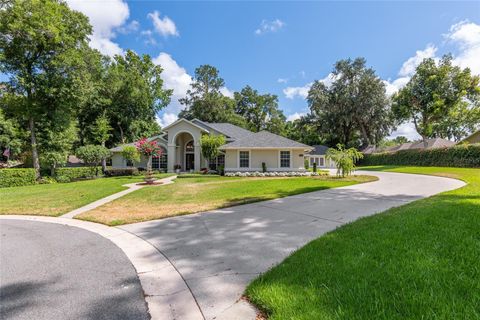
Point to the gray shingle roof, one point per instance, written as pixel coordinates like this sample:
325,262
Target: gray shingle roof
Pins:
120,147
319,149
264,139
230,130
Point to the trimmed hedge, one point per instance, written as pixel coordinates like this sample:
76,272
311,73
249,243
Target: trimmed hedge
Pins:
69,174
121,172
458,156
17,177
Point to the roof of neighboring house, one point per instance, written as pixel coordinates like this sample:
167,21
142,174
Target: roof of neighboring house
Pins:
319,149
432,144
264,139
473,138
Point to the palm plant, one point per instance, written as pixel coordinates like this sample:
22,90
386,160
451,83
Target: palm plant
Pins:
344,159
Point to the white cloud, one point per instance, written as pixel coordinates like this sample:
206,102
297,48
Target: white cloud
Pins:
164,26
133,26
269,26
103,24
226,92
406,130
295,116
174,77
467,35
394,86
149,38
302,92
166,119
409,66
282,80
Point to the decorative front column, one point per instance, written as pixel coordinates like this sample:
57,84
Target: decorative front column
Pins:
172,150
197,153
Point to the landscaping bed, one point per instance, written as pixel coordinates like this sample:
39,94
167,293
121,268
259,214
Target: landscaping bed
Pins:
417,261
195,193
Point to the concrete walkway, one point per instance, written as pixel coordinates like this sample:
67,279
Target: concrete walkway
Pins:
131,187
218,253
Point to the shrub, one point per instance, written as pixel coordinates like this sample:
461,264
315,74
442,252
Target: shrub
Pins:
92,155
121,172
457,156
306,164
344,159
264,167
70,174
314,167
17,177
130,153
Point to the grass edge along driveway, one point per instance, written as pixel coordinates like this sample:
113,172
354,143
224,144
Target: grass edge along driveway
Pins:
203,193
59,198
417,261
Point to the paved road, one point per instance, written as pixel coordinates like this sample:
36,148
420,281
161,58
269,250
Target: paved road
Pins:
52,271
219,253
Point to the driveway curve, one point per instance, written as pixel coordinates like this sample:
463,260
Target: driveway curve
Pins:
54,271
218,254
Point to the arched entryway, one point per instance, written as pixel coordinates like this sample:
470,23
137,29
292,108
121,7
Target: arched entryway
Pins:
185,151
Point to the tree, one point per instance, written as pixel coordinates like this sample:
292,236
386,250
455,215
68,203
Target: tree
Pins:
92,155
131,154
100,132
41,42
11,138
149,148
261,112
354,109
441,100
136,95
344,159
210,145
304,130
205,101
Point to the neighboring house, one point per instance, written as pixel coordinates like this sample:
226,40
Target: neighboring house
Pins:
244,150
418,145
319,156
473,138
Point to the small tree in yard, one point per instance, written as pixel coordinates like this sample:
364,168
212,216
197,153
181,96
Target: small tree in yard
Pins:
130,153
344,159
210,145
92,155
149,149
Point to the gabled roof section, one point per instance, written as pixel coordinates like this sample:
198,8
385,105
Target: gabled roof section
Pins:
160,138
230,130
319,149
265,139
433,144
193,123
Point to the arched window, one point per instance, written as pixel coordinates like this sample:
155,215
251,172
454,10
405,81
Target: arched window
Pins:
189,146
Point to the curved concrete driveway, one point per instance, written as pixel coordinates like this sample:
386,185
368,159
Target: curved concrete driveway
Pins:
53,271
219,254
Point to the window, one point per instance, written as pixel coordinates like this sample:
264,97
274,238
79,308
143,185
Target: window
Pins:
155,163
244,157
284,159
312,161
129,163
321,162
216,163
189,146
163,161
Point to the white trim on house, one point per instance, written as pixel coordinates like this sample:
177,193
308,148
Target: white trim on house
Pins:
260,169
249,158
265,148
187,121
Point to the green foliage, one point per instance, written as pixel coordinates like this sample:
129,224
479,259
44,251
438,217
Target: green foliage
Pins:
457,156
55,144
71,174
92,155
210,145
114,172
130,153
344,159
41,50
314,167
260,111
442,100
17,177
10,136
264,167
101,129
205,100
305,130
353,109
306,164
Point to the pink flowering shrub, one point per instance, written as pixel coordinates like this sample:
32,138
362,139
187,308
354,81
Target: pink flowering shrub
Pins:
148,148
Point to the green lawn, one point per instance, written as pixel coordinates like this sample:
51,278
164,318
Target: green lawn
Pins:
418,261
59,198
200,193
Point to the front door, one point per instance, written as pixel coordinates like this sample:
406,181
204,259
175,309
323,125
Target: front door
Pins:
189,161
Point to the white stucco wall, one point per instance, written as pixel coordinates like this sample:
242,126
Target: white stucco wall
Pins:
271,157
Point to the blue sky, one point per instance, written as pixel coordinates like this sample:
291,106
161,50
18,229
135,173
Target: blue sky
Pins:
281,47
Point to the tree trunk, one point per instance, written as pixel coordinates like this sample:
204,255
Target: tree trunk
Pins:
424,137
104,161
52,169
366,139
33,140
122,137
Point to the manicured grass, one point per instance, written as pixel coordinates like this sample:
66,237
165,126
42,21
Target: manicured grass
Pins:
59,198
201,193
418,261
